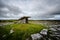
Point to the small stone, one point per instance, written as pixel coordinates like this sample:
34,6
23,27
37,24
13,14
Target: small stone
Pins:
36,36
27,39
4,35
11,31
44,31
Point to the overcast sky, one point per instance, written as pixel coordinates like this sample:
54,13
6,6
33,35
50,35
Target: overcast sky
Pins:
36,9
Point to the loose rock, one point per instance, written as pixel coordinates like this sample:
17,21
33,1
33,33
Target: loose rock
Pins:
36,36
44,31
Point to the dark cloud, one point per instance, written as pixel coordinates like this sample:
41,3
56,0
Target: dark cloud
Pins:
8,9
1,4
37,9
14,10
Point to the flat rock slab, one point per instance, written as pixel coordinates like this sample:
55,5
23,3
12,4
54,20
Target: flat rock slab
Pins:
36,36
44,31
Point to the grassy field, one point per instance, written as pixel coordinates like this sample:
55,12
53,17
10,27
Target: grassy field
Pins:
21,31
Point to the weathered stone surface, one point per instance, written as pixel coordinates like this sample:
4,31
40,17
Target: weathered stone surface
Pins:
11,31
36,36
44,32
53,33
4,35
52,29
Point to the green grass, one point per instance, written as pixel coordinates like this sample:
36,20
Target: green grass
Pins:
21,31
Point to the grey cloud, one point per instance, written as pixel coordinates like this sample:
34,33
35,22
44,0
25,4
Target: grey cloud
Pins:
38,9
14,10
1,4
11,10
46,6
